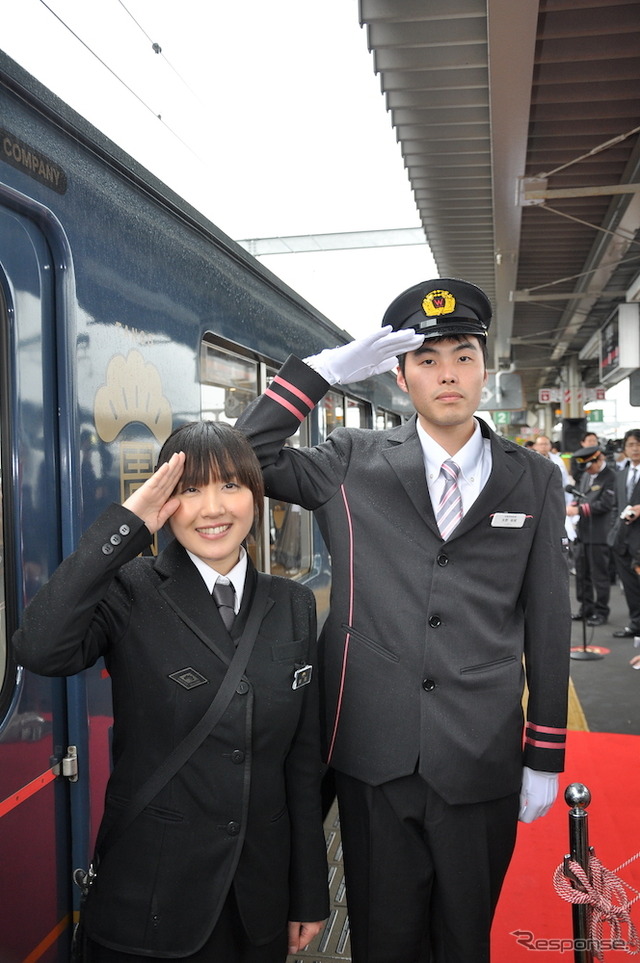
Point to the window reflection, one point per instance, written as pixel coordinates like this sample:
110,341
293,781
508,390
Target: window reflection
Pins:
387,419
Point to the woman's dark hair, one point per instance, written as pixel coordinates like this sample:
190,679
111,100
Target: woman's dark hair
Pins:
216,451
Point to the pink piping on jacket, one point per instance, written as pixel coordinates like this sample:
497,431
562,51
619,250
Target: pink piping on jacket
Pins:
348,635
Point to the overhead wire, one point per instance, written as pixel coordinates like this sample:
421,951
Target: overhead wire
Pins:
157,49
120,79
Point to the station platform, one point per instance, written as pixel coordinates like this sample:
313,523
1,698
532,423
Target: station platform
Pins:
608,689
604,697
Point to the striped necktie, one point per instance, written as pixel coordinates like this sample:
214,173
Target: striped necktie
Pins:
224,596
632,478
449,510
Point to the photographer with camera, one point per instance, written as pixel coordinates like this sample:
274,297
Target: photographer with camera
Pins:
624,537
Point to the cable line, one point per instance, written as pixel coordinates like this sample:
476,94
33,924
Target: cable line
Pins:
155,46
120,80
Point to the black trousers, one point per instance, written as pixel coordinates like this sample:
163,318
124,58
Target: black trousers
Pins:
593,577
631,585
423,877
227,944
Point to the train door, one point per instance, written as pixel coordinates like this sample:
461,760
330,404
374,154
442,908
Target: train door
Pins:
35,713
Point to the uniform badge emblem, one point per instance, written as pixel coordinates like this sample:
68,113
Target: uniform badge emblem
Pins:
302,676
188,678
437,303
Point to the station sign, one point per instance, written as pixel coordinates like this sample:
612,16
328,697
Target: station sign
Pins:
568,395
502,392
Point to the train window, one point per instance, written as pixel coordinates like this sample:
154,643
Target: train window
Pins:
337,410
229,382
387,419
357,414
331,413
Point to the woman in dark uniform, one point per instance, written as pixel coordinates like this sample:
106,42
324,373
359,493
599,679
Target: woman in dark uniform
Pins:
227,863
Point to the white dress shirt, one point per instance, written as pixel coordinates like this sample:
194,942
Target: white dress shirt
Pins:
236,576
474,460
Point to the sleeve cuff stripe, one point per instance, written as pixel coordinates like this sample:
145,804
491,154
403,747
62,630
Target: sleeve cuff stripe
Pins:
295,391
538,744
549,729
285,404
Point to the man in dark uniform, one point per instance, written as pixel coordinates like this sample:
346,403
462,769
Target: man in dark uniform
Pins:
624,537
591,553
448,584
576,468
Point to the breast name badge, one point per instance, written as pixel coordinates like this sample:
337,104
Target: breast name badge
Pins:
302,676
508,519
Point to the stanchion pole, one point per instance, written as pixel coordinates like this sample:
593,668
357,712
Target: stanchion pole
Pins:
578,797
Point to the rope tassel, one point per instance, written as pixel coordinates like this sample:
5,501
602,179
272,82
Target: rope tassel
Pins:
606,896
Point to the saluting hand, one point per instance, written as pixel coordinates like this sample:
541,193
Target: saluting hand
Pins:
369,355
154,502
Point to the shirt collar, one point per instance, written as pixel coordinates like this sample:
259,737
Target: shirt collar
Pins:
236,576
467,458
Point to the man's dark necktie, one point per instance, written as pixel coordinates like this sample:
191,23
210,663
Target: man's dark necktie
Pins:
224,596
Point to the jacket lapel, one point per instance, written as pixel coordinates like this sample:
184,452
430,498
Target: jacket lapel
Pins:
248,596
635,491
185,591
506,472
404,455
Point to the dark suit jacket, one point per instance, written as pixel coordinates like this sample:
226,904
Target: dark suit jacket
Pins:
421,655
625,538
245,808
595,508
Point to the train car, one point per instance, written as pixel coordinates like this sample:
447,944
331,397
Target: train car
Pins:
123,313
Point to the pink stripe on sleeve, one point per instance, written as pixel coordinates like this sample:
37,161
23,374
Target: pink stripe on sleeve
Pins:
550,729
285,404
294,391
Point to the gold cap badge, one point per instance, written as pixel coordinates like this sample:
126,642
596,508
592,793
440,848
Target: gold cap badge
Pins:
437,303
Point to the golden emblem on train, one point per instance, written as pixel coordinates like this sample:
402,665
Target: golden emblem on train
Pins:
132,392
437,303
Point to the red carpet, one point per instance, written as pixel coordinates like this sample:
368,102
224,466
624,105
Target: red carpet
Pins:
608,765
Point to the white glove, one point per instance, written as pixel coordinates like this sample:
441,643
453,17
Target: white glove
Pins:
537,794
370,355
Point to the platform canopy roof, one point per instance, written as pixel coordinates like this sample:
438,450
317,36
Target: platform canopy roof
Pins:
519,125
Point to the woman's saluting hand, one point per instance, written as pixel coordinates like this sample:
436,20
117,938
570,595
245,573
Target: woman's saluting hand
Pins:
154,502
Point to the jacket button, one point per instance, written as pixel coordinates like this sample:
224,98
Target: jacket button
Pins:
115,539
233,828
124,529
107,549
243,687
442,560
428,685
435,621
237,756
